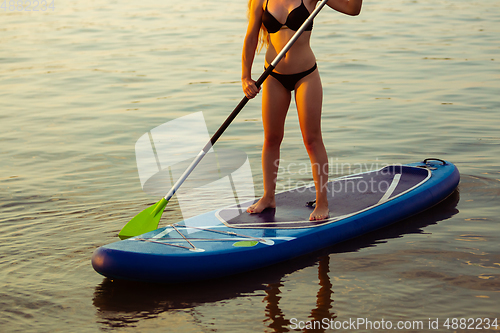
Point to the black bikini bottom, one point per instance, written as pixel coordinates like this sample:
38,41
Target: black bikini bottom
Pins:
290,80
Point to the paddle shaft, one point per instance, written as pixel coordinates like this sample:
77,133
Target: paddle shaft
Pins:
244,101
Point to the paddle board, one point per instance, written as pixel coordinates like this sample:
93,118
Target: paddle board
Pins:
230,241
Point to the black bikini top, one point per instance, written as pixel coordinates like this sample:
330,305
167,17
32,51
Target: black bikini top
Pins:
294,20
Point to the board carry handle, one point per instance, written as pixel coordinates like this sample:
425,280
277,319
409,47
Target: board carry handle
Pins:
434,159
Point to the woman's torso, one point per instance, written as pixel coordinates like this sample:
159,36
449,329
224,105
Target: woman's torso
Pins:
300,56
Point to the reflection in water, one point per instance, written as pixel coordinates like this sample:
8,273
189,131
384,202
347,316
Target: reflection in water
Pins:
124,304
324,299
324,302
275,315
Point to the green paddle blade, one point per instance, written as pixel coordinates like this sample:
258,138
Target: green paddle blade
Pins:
145,221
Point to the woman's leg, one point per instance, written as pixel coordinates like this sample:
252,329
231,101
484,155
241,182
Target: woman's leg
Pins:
275,104
309,98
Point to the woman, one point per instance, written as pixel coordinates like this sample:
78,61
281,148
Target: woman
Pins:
296,71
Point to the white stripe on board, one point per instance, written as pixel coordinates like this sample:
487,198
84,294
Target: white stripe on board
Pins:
230,239
346,178
163,233
392,187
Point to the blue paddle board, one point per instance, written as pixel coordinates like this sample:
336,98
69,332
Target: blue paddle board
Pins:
230,241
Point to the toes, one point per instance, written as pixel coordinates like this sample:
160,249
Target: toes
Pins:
318,217
252,209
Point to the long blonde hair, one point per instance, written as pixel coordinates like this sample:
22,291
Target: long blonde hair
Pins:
263,34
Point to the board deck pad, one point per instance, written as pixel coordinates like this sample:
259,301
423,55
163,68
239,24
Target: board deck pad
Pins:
347,196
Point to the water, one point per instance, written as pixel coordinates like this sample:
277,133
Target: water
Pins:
403,81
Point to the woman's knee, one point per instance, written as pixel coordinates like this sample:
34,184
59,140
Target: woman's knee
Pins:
273,140
313,142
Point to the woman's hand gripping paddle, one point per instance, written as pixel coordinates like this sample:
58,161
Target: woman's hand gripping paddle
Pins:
148,219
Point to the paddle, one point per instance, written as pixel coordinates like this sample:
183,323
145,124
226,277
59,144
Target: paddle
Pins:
148,219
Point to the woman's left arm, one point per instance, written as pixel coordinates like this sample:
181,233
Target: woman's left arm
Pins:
349,7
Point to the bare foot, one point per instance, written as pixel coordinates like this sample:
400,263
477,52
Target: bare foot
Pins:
319,213
262,204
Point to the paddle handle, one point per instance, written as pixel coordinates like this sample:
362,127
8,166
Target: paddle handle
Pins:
244,101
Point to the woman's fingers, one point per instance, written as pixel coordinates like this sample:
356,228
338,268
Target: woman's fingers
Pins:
250,89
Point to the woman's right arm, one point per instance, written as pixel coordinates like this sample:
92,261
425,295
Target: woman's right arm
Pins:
250,46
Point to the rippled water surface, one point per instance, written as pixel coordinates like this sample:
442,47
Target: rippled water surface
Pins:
403,81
